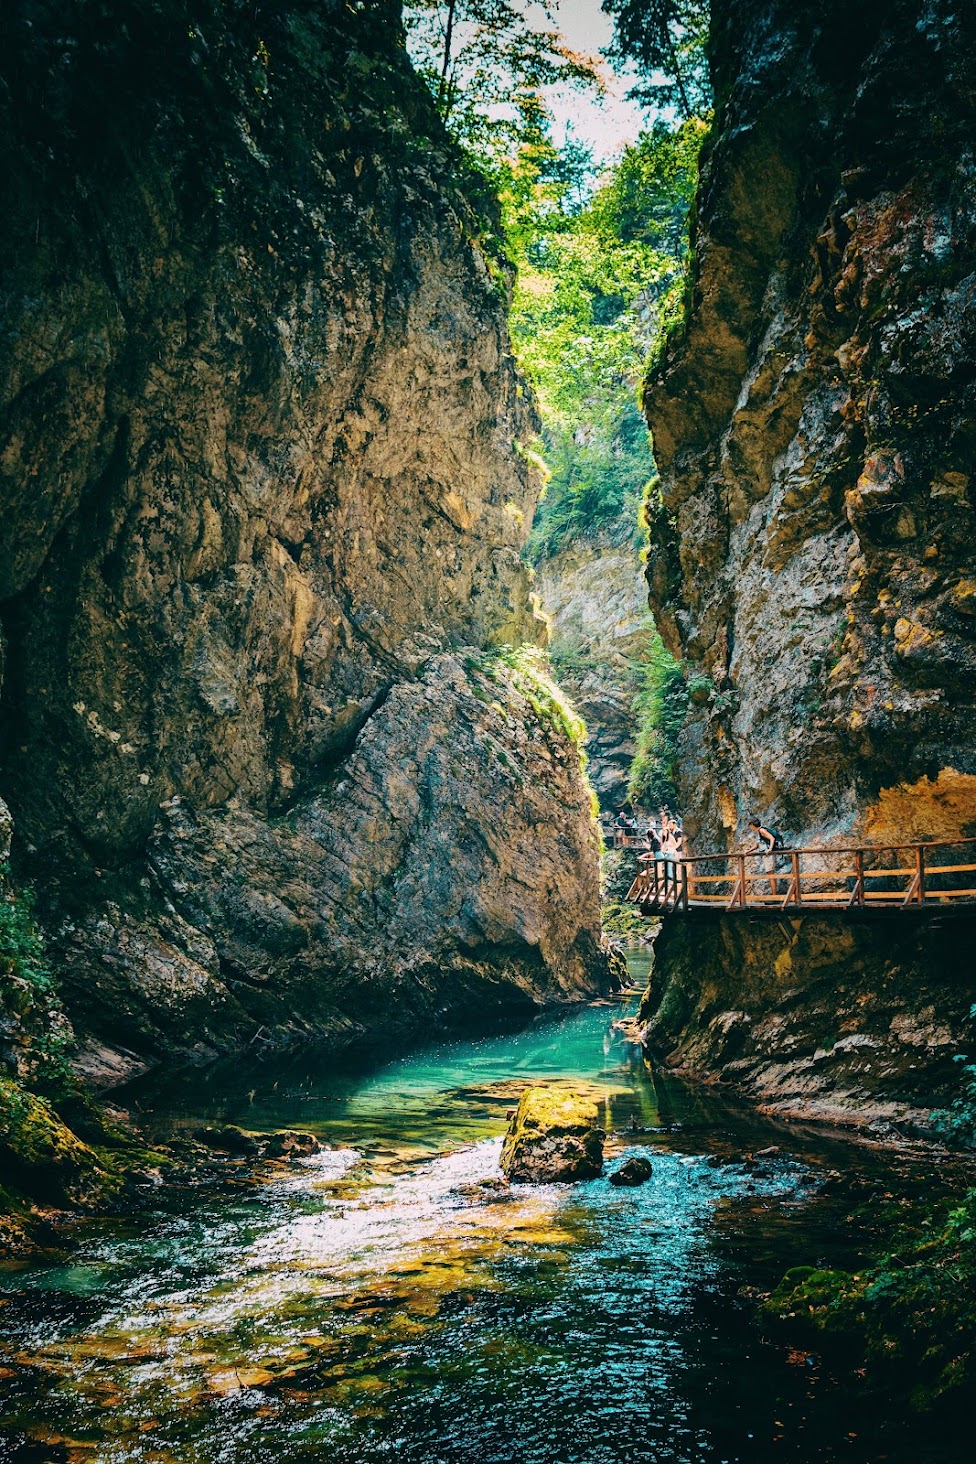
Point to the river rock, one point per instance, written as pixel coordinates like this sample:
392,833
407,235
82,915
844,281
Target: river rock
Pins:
633,1171
555,1137
291,1144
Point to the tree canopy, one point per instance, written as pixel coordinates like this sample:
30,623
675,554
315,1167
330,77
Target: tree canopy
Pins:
485,63
666,40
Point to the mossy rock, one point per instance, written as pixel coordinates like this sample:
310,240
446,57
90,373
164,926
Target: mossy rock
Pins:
41,1154
554,1138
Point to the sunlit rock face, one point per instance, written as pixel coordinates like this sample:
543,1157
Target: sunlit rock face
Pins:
259,469
813,549
816,431
594,592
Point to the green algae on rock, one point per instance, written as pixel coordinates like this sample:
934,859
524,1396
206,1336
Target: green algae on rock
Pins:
42,1155
911,1315
554,1137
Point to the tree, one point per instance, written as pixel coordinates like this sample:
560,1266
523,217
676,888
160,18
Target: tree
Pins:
590,288
667,41
484,62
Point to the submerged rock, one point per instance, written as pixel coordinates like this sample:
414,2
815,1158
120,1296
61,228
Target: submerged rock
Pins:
632,1172
555,1137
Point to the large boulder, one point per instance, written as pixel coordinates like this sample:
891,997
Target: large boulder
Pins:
555,1137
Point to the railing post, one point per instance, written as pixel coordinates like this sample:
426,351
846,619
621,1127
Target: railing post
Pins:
742,881
796,875
859,876
920,873
684,886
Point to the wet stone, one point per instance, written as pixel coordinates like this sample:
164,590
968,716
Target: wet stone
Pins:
632,1172
554,1138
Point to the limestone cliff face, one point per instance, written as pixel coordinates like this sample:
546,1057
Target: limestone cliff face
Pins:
816,1017
259,471
814,544
815,431
595,594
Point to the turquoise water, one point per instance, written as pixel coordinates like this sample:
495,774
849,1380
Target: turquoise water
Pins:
390,1299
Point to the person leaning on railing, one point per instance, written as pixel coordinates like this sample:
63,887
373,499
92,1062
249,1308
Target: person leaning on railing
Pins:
768,841
767,838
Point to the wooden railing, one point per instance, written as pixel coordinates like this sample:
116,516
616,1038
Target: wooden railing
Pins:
880,876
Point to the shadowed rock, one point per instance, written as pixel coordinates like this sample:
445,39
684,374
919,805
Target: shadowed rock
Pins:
632,1172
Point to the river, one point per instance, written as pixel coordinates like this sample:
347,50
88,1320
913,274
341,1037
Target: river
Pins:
390,1299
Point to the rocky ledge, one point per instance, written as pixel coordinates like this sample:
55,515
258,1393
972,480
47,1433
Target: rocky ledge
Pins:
816,1018
445,874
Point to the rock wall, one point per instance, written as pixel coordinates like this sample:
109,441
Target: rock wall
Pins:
815,430
595,594
813,549
259,472
816,1018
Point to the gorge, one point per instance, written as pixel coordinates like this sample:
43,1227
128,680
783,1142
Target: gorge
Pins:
300,868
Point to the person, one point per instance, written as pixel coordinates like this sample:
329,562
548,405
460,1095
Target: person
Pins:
767,838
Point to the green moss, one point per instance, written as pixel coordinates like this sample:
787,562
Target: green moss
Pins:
660,706
622,919
45,1157
958,1121
912,1315
554,1136
527,669
27,994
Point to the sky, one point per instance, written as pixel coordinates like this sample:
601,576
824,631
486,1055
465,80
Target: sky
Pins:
605,125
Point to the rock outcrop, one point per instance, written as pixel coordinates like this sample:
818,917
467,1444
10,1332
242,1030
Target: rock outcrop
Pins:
852,1023
594,592
813,548
445,874
554,1138
813,545
259,487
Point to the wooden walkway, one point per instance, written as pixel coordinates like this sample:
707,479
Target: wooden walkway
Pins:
875,877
